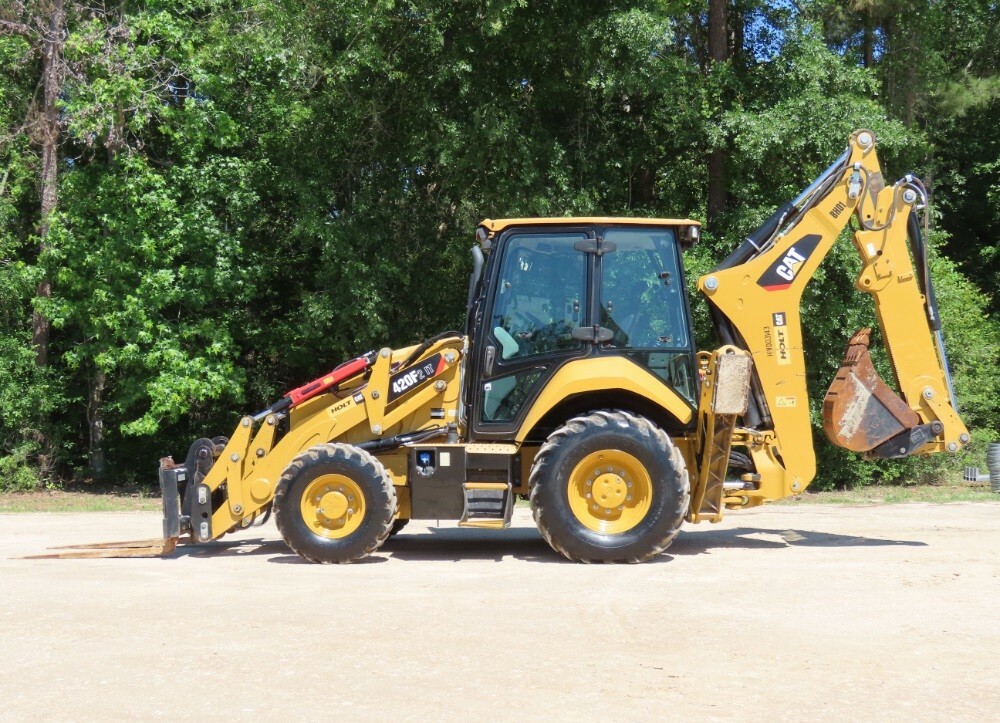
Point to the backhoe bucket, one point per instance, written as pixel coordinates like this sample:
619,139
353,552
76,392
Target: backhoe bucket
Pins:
860,411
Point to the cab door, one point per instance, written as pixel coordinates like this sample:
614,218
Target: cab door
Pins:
539,285
643,303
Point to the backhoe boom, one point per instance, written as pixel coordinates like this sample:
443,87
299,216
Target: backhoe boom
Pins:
755,296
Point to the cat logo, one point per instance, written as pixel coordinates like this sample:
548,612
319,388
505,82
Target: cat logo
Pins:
782,273
790,264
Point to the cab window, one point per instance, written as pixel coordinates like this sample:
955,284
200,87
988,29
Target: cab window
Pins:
540,295
642,303
641,294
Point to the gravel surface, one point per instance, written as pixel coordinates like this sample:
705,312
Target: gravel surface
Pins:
828,613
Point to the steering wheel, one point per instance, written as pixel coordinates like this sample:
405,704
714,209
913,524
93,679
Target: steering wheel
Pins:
525,339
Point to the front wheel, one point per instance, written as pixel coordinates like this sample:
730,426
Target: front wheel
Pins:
609,486
335,503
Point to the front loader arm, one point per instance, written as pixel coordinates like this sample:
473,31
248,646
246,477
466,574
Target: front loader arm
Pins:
382,402
756,294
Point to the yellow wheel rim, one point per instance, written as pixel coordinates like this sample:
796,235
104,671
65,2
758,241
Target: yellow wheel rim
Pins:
333,506
610,491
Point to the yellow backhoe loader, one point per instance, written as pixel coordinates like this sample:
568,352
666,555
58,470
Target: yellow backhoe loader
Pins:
576,383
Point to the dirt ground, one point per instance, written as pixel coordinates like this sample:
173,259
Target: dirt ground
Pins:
857,613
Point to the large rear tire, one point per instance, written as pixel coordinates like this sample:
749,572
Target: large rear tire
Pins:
609,486
335,503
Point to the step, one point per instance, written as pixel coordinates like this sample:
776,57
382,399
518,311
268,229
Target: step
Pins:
488,505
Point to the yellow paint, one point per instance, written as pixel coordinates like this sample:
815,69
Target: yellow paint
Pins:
497,225
769,321
608,373
610,491
251,478
483,524
707,454
333,506
261,490
889,277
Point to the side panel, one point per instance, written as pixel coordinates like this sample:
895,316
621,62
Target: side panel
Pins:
603,374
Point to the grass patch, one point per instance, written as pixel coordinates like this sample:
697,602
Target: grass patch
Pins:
78,501
897,494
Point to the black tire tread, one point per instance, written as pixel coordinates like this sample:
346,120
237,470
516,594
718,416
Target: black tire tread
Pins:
604,418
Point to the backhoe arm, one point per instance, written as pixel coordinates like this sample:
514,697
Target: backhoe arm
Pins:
755,297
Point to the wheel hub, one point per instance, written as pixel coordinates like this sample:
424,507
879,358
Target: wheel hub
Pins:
609,490
333,505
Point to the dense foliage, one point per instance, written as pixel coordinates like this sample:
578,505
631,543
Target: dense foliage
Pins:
250,191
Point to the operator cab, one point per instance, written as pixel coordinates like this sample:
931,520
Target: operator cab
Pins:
556,290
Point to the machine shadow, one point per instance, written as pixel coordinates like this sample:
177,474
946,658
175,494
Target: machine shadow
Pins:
752,538
454,544
449,544
228,548
525,543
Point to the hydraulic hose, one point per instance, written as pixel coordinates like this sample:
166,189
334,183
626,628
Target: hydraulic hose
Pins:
758,239
381,445
426,344
918,246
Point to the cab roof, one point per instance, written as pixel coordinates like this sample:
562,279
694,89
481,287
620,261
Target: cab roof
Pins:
500,224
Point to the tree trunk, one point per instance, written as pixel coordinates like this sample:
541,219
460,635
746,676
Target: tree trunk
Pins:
95,423
718,32
717,191
738,39
48,138
718,51
698,40
910,93
642,188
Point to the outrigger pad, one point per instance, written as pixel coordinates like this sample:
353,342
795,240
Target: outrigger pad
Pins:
860,411
732,383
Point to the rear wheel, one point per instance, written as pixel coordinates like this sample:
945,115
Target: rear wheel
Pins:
609,486
335,503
